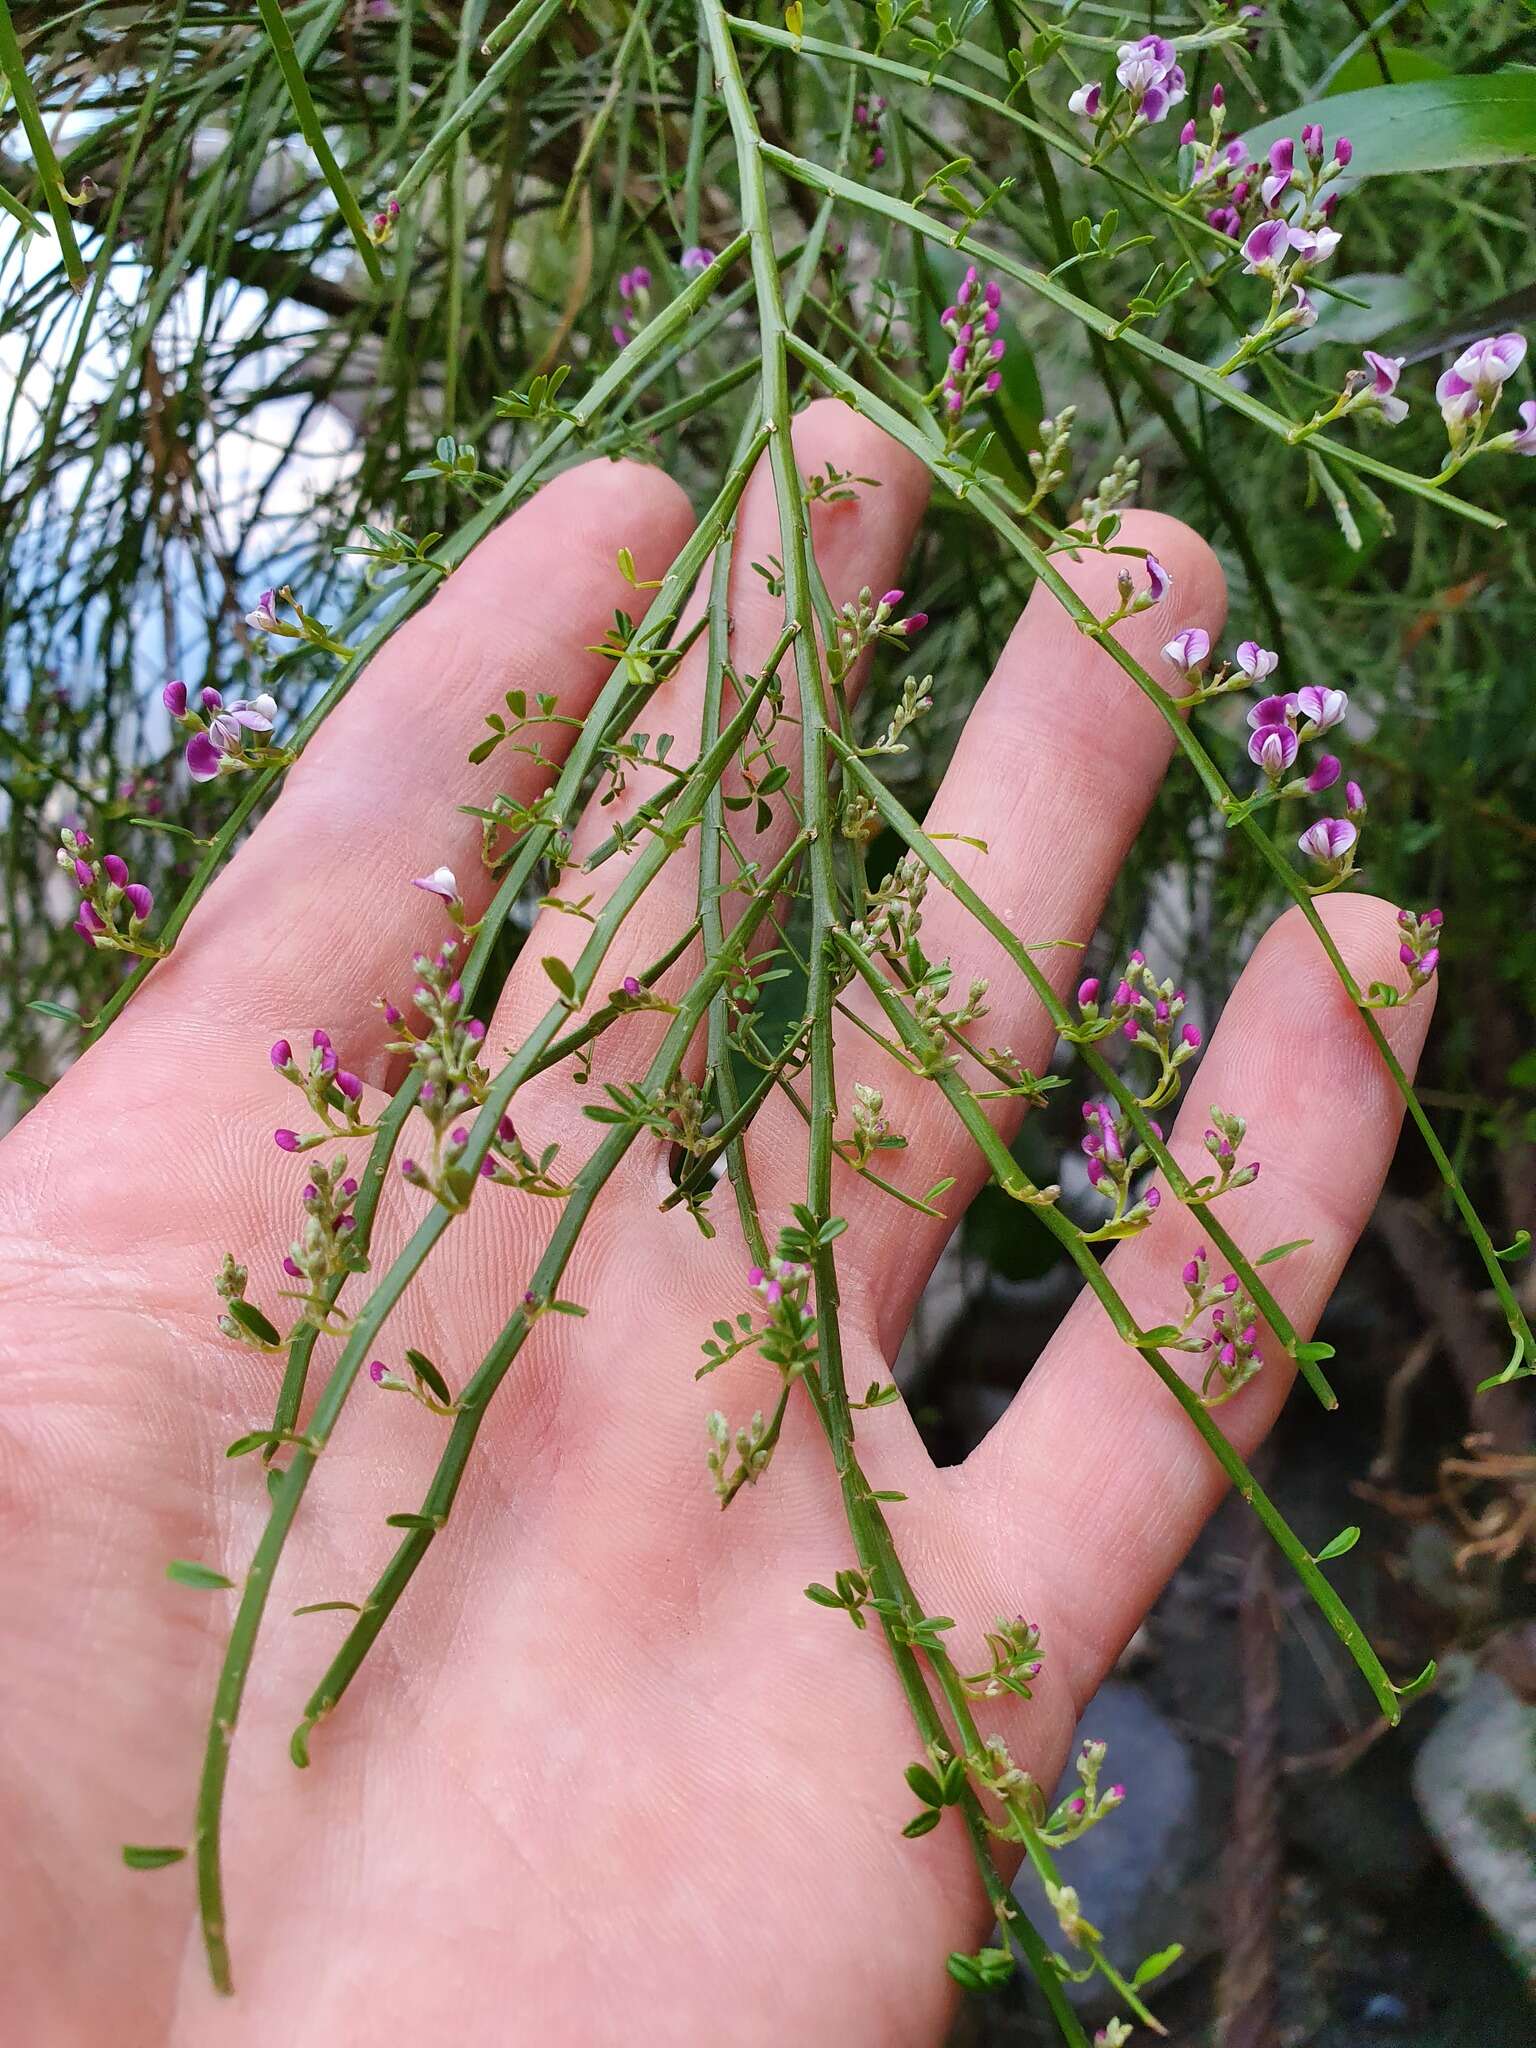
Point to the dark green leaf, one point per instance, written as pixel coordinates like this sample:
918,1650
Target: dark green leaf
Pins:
410,1522
330,1607
1437,124
29,1083
824,1596
47,1009
256,1441
922,1823
250,1317
561,976
924,1784
428,1373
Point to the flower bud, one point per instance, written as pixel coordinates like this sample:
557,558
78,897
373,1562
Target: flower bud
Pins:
1087,992
115,868
174,698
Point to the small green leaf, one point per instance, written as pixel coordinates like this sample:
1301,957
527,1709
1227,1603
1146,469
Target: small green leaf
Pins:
330,1607
1283,1251
561,976
922,1823
1345,1541
429,1375
298,1745
29,1083
1518,1249
1313,1354
1163,1334
250,1317
924,1784
187,1573
1415,1686
824,1596
1154,1965
138,1857
48,1009
256,1441
887,1495
567,1308
410,1522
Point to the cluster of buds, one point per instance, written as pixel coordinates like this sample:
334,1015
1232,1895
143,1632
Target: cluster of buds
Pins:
1232,1341
242,1320
1419,952
893,916
1284,217
509,1164
751,1446
268,620
789,1339
1115,1155
868,118
1215,164
1083,1809
916,698
864,620
1014,1647
382,225
107,894
326,1248
871,1133
1051,463
972,371
1149,82
635,300
1223,1141
329,1088
1118,486
1469,391
1147,1013
447,1057
225,739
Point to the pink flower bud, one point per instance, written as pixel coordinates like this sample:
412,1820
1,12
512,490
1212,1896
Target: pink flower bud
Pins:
349,1085
115,868
281,1054
139,901
1218,95
1191,1037
1343,151
174,697
1087,992
1430,961
1192,1273
293,1269
286,1141
631,985
376,1371
1187,134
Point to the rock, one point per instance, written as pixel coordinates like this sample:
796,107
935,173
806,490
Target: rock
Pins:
1139,1874
1475,1779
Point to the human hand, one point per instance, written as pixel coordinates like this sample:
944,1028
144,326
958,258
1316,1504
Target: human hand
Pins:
608,1774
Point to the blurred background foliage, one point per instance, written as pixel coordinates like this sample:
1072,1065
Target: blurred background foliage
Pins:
224,395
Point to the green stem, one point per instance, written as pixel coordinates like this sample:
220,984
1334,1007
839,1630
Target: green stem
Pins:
280,36
14,65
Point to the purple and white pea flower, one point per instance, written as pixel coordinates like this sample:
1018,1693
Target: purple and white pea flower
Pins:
1088,99
1330,842
441,882
1256,662
1273,748
1322,709
1473,382
224,740
1189,650
1382,391
264,618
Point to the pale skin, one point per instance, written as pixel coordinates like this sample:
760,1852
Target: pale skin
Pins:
608,1775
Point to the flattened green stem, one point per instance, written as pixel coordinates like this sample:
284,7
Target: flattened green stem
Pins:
280,36
437,1503
654,337
1010,1177
925,445
14,65
871,200
533,24
685,813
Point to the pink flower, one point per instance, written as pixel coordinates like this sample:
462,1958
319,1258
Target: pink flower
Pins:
1187,650
1487,364
1523,442
1387,371
1159,582
1087,99
1256,662
1328,841
441,882
264,619
1265,246
1273,748
1323,709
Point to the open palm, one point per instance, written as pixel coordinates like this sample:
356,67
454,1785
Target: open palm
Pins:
608,1776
